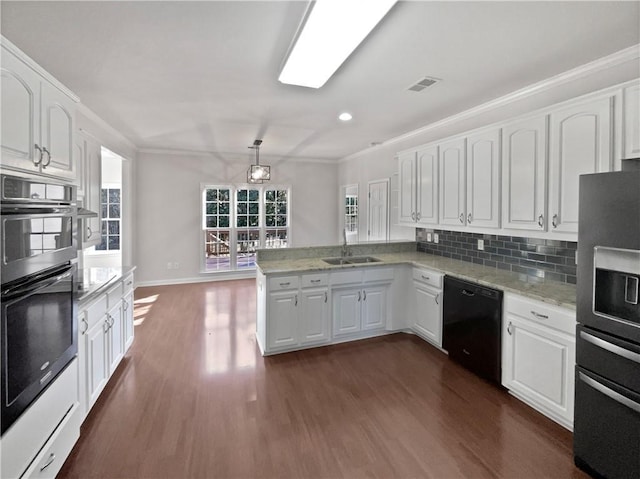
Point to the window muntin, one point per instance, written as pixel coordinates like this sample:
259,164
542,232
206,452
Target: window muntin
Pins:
238,220
111,221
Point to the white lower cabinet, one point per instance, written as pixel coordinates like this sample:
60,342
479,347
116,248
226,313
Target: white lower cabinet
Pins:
427,305
106,333
538,356
347,311
298,311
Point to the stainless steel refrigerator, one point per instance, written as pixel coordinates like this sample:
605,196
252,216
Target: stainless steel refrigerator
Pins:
607,393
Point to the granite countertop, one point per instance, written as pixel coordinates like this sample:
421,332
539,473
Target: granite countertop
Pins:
552,292
93,281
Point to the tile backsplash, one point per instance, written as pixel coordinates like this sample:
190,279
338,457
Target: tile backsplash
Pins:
537,258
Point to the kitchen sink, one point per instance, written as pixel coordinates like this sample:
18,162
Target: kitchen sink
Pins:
363,259
351,260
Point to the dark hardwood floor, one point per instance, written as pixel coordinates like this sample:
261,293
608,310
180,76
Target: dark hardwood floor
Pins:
194,398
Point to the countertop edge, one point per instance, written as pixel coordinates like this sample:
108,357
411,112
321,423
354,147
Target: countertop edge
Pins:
85,299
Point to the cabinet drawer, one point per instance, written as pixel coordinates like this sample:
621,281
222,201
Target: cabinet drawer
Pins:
280,283
428,277
311,280
114,295
547,314
128,284
50,460
378,274
96,311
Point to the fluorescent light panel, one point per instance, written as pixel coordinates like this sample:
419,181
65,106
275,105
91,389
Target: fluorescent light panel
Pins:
332,31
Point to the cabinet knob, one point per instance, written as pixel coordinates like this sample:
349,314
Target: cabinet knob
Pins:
541,221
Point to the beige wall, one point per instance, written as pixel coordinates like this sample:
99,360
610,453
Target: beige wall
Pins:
167,217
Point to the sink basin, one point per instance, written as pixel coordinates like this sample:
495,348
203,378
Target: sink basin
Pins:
336,261
351,260
362,259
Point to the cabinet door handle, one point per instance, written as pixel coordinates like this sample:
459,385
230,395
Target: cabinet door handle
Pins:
44,149
364,295
468,293
510,328
315,281
296,304
89,231
541,221
325,296
125,305
52,457
539,316
462,218
413,216
469,218
37,161
359,297
554,221
106,326
418,216
437,297
425,277
285,284
86,326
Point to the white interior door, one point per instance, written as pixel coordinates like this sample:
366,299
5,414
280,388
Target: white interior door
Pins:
378,210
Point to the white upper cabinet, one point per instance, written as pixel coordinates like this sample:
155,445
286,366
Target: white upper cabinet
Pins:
580,142
524,162
483,179
20,103
419,186
631,121
37,119
452,182
407,173
427,186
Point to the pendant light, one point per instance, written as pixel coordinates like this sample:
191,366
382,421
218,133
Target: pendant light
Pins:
258,173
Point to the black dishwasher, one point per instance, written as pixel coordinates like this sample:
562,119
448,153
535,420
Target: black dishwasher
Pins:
472,330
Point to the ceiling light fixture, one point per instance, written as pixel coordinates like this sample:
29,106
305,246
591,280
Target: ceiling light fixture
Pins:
345,116
258,173
332,30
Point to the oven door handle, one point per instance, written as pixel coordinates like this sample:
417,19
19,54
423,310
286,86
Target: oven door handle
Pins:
612,348
19,291
610,393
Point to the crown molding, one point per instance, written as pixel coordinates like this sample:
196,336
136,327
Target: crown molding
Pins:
272,159
623,56
85,111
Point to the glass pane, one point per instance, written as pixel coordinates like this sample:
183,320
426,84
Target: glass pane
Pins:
282,220
114,227
103,244
253,195
223,222
242,221
253,208
212,195
270,195
212,221
103,196
114,242
103,211
282,209
270,209
254,220
270,221
242,208
114,196
212,208
224,195
242,195
103,228
217,254
282,196
114,211
224,208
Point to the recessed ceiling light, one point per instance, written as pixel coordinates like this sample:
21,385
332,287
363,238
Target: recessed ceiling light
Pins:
332,30
345,116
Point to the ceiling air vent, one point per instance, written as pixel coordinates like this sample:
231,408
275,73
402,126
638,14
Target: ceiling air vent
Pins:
423,83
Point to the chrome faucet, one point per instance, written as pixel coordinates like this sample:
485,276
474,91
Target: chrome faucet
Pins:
345,247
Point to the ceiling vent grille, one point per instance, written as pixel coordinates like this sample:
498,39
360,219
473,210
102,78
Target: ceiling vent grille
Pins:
423,83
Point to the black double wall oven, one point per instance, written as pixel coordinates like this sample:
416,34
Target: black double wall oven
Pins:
607,402
39,307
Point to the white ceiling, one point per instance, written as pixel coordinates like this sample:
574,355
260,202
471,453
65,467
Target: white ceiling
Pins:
203,75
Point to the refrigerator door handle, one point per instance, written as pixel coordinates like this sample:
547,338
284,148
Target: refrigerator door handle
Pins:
610,393
612,348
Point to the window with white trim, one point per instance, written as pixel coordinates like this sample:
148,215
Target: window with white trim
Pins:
110,214
237,220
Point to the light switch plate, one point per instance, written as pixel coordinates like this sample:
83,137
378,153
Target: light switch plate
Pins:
429,237
481,245
436,239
